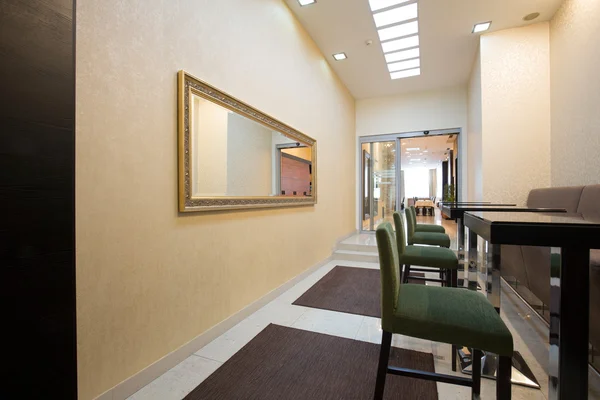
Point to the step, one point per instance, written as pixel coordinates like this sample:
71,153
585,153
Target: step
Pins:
357,247
350,255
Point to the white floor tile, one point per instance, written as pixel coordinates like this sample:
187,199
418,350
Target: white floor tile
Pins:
229,343
329,322
179,380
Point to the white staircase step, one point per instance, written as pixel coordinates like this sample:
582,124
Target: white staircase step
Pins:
351,255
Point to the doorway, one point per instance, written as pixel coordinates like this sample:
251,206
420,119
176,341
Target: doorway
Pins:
409,169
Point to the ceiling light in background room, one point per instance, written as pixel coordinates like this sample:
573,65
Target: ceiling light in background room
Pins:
402,55
306,2
380,4
399,66
413,148
482,26
399,44
396,15
409,28
407,73
340,56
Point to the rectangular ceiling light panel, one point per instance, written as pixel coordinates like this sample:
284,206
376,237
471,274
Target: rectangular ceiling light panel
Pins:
401,55
396,15
399,44
306,2
409,28
381,4
399,66
406,73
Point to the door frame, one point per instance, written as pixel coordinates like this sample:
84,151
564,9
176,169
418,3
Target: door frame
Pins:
396,137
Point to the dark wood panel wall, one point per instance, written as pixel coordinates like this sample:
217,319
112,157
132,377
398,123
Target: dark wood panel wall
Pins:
37,202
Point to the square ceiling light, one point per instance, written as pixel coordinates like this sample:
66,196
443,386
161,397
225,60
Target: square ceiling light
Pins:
482,26
402,55
399,44
340,56
406,73
402,65
396,15
306,2
381,4
393,32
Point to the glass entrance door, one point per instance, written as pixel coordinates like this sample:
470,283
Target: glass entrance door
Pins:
378,166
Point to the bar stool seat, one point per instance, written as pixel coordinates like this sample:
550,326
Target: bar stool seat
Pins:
426,227
449,315
430,228
435,257
431,238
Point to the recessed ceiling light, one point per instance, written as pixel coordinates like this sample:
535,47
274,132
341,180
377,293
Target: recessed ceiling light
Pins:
399,44
416,159
409,28
396,15
306,2
406,73
482,26
402,55
379,4
531,17
399,66
340,56
413,148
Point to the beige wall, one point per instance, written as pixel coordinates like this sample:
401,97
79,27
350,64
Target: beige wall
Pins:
515,88
475,186
575,88
441,109
150,279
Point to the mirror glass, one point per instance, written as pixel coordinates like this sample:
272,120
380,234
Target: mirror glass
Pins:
233,155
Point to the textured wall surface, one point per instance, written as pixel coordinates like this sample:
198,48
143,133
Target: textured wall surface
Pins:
148,278
575,87
475,173
441,109
515,88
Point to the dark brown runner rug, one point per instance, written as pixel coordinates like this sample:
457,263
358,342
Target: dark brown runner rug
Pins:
348,289
291,364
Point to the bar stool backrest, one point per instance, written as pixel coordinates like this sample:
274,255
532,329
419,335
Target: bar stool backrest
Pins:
400,236
390,272
411,220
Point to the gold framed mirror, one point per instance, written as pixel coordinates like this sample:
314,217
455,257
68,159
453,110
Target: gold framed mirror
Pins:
233,156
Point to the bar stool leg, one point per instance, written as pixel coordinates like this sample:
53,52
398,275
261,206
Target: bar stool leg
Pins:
406,273
384,356
454,350
476,370
503,385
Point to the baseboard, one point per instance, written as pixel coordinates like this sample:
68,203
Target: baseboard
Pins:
134,383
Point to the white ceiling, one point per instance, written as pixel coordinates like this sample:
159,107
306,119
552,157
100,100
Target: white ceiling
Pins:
432,151
447,45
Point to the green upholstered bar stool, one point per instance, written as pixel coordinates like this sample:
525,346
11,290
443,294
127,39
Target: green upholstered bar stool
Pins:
425,227
444,260
441,314
428,238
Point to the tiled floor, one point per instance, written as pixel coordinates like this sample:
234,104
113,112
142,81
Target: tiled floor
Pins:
528,333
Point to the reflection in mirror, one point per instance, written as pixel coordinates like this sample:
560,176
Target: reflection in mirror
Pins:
233,155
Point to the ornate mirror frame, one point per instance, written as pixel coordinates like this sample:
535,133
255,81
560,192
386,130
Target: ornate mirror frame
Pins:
187,85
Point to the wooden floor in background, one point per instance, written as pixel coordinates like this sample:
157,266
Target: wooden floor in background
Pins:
448,224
